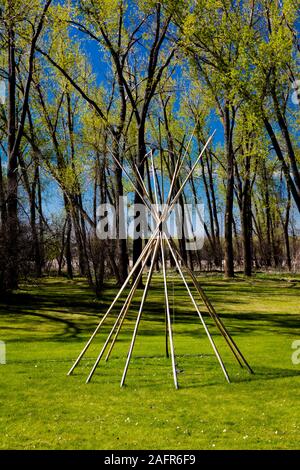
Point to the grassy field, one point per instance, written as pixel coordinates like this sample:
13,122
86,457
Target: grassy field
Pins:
45,326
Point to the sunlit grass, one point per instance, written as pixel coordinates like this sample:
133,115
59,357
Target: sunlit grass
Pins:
46,325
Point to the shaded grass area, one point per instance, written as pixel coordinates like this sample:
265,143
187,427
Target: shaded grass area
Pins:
45,326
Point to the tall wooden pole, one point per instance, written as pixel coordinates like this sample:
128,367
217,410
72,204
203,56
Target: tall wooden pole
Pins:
140,313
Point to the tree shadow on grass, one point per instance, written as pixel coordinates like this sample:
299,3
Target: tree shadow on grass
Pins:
24,307
269,373
188,379
73,306
261,374
236,322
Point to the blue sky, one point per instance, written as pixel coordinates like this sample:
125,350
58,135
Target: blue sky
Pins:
102,71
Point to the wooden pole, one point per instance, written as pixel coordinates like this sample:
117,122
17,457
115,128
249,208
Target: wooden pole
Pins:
140,313
154,179
116,323
190,173
135,187
168,313
114,301
198,311
126,306
219,323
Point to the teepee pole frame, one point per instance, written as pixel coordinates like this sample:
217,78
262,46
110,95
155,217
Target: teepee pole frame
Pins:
154,244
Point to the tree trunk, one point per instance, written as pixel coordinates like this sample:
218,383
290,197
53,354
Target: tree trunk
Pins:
286,233
141,152
288,142
121,242
35,238
218,248
62,250
228,245
41,222
246,221
213,236
12,171
290,182
268,248
68,250
3,213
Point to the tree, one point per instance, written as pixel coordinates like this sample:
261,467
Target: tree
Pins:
18,22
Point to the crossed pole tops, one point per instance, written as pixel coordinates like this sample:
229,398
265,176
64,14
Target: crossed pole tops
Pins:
161,217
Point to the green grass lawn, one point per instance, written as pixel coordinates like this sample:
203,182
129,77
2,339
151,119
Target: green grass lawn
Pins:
45,326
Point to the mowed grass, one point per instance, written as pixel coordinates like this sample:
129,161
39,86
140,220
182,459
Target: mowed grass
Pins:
45,326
